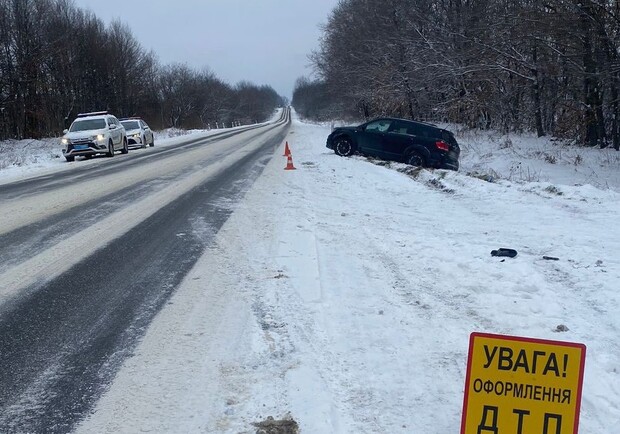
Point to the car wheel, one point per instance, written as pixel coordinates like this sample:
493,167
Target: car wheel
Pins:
415,159
152,141
344,147
70,159
125,149
110,152
144,144
88,156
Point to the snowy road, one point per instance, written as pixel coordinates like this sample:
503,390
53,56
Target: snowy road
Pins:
340,295
91,254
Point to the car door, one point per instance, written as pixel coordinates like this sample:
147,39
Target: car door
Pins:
148,134
114,131
371,138
396,140
119,130
111,127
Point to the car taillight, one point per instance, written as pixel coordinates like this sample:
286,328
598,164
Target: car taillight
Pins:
442,146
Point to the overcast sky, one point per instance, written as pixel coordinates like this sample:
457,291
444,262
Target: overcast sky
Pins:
263,41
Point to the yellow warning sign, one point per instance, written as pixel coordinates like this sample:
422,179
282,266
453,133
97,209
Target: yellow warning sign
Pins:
520,385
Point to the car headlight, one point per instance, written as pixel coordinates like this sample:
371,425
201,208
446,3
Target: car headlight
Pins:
100,137
64,141
136,136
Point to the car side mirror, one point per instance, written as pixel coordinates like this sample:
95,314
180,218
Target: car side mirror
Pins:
65,131
112,127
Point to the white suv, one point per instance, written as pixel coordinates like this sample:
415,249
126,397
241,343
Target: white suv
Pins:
94,133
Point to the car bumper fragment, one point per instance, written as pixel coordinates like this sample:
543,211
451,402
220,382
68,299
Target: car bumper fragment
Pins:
88,148
134,142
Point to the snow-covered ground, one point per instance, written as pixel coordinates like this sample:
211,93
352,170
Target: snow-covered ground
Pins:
342,294
24,158
528,158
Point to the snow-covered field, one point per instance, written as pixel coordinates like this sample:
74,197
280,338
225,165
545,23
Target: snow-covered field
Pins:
528,158
342,294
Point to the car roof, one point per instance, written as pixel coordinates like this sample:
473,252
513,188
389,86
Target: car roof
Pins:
93,117
405,120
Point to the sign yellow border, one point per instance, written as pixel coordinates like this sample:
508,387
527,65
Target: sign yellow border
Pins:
512,380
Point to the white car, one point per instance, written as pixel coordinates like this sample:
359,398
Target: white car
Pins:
139,135
94,133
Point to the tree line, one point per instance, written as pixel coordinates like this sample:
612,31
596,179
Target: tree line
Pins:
550,66
57,60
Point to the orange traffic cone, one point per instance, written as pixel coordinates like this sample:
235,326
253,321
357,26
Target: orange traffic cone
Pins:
289,163
287,151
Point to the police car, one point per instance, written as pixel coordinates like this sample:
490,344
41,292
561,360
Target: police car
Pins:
92,134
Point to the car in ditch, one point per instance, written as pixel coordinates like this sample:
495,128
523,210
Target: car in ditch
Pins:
92,134
411,142
139,134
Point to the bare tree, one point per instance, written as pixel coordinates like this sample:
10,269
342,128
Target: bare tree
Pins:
516,65
48,75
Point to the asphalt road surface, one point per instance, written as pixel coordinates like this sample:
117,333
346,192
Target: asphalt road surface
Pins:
89,255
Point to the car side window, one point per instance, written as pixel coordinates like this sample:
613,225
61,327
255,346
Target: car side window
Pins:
421,131
414,130
379,126
430,133
399,128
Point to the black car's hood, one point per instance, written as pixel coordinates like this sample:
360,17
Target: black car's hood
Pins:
338,129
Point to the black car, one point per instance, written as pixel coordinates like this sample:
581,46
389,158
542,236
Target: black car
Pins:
411,142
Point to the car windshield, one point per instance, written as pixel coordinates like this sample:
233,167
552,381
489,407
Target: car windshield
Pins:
87,124
131,125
